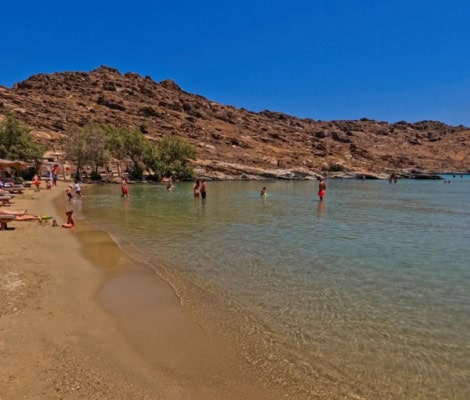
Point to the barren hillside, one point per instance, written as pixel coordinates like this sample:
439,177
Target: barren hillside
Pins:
232,142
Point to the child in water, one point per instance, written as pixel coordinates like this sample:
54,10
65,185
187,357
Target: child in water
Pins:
263,192
68,192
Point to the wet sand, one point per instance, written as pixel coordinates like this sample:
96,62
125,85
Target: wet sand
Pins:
79,319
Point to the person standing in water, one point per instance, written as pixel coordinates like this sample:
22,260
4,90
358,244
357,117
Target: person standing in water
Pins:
124,189
68,192
263,192
78,189
196,189
203,189
321,188
169,186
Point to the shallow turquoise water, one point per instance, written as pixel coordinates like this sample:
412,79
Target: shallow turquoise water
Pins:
365,295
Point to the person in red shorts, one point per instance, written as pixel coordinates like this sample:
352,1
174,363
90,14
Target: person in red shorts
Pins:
321,188
36,182
124,189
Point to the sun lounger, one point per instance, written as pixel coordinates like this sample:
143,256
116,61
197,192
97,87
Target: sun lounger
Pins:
17,190
4,219
5,199
4,192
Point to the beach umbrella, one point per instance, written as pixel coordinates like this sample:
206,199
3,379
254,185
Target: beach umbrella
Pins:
12,164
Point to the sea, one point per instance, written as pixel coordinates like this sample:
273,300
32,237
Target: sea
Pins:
365,295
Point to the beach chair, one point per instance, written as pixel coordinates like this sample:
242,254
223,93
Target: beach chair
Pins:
4,219
4,192
17,189
5,199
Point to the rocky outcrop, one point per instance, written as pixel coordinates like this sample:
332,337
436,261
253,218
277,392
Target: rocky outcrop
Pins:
234,143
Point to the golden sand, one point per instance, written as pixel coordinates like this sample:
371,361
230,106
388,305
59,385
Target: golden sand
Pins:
81,320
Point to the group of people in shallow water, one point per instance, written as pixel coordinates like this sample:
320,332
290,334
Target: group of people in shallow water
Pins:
199,189
321,189
77,188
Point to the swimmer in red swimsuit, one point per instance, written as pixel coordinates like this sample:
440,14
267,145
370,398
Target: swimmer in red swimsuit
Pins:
124,189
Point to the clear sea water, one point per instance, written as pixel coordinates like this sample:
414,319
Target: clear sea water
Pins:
363,296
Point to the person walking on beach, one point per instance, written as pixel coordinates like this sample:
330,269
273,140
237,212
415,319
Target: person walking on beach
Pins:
55,173
78,189
321,188
203,189
196,189
36,182
124,189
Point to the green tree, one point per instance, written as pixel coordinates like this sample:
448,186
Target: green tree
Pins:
124,143
173,156
16,142
86,145
96,144
98,154
136,146
115,141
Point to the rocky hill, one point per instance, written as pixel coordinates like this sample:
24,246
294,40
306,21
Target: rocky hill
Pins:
232,142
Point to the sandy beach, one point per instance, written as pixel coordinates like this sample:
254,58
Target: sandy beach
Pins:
81,320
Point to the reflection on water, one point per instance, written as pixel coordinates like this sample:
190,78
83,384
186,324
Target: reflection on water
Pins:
320,209
363,295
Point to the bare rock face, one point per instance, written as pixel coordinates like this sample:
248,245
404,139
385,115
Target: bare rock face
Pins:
233,143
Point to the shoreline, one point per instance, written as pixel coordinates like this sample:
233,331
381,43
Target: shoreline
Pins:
84,320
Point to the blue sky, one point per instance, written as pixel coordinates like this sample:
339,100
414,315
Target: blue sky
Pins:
330,59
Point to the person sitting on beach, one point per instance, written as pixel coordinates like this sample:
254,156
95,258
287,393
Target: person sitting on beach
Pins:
70,224
263,192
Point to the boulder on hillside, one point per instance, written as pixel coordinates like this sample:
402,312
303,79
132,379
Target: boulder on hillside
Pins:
169,84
